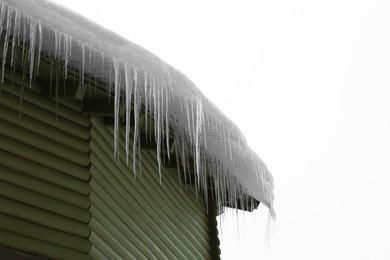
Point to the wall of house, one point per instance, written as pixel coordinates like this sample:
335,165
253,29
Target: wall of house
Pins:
44,176
63,194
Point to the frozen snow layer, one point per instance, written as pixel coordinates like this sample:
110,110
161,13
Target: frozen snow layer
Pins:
142,81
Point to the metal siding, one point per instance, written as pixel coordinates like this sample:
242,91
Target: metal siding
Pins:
45,116
39,127
159,220
35,246
44,160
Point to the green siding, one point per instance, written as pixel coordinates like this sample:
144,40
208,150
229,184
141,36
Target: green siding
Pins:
44,175
137,217
64,196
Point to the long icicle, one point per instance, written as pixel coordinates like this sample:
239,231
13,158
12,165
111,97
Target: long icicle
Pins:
40,34
167,121
129,90
15,36
5,47
137,105
33,27
116,107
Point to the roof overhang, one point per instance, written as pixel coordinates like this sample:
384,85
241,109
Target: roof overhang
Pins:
139,80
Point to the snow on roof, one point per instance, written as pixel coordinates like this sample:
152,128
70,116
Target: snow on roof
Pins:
141,79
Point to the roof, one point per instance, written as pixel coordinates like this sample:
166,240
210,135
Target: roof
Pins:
142,81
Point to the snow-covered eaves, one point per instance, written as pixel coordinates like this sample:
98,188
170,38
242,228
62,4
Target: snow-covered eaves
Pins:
142,81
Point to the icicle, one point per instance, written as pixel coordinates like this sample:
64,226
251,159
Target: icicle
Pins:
13,67
198,127
83,64
151,104
179,149
39,46
51,75
137,105
89,70
56,47
5,48
66,56
230,146
129,89
162,113
116,107
146,104
167,121
32,48
159,101
193,132
2,12
157,126
24,75
89,59
24,39
14,36
188,121
183,158
57,86
102,57
154,96
70,46
109,89
94,72
270,230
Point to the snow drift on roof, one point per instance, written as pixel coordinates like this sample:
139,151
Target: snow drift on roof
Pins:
142,81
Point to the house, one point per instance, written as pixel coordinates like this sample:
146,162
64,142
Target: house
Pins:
106,151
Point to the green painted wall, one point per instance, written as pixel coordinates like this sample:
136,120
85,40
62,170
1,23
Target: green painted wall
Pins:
64,196
44,177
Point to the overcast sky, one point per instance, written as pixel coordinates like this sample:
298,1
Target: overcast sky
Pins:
308,83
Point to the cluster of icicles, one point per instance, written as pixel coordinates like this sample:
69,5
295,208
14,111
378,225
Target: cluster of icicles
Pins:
143,93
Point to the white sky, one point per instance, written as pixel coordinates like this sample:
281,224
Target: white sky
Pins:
308,83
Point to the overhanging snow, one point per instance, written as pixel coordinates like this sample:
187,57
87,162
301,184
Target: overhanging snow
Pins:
142,80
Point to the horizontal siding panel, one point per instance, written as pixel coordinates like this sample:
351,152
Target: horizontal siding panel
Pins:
42,172
42,233
44,175
38,127
18,252
47,159
45,116
42,217
71,103
27,244
42,143
43,202
43,187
